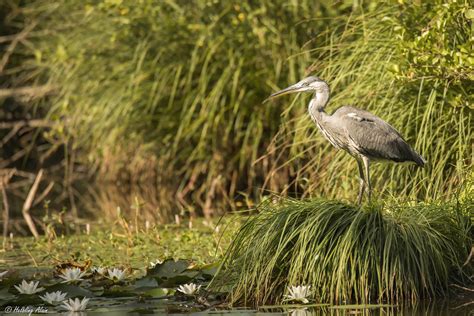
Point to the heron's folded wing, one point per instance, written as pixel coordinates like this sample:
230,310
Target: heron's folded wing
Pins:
373,137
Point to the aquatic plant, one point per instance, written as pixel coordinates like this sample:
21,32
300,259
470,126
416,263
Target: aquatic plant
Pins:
72,275
189,289
298,293
54,297
155,263
2,274
75,305
116,274
29,287
99,270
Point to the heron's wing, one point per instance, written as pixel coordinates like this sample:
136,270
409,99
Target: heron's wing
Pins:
373,137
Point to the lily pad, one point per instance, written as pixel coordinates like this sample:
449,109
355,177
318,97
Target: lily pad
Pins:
119,291
172,273
71,290
159,292
145,283
169,268
5,295
26,299
176,280
209,270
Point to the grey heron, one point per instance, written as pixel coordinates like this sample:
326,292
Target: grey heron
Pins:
362,134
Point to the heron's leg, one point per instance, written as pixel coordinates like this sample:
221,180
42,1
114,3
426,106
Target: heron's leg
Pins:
361,182
367,174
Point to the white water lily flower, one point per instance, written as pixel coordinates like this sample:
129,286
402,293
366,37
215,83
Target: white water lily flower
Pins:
116,274
29,287
72,275
300,312
54,297
189,289
99,270
155,263
75,305
2,274
299,293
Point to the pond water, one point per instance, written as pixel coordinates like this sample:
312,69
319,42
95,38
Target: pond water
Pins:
126,306
437,308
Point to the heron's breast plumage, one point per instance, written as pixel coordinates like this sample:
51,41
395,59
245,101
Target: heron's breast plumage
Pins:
318,116
333,138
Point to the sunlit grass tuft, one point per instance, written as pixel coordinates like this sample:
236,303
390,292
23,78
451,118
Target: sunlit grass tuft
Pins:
347,254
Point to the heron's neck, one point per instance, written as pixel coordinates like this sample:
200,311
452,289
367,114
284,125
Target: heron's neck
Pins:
317,105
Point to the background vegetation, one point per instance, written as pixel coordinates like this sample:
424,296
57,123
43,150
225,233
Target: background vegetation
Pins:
158,103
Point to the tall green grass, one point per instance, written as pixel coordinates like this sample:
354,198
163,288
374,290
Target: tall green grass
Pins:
168,93
394,254
370,64
165,97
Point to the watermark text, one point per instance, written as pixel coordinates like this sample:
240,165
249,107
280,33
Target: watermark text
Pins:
25,309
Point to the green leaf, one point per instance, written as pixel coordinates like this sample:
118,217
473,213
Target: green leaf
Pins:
209,270
469,14
145,283
71,290
176,280
159,292
119,291
169,268
6,296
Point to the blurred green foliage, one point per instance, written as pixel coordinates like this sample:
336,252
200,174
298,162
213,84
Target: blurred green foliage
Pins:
168,93
442,49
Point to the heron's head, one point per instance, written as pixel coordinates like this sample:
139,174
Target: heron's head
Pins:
308,84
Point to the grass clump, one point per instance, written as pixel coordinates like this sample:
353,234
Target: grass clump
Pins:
347,254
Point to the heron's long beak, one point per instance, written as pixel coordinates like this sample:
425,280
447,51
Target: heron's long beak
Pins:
291,89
